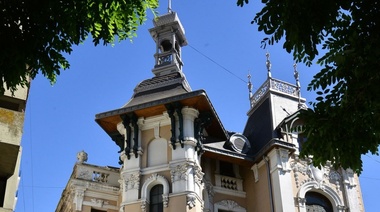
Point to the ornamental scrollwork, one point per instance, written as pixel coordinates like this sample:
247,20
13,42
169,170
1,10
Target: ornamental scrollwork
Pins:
231,205
191,200
198,175
179,172
132,180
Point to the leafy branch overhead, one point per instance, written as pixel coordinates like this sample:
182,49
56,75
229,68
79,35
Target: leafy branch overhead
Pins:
34,35
344,120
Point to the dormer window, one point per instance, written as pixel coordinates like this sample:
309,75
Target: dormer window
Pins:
239,143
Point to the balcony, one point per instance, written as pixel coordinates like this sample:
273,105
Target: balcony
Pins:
103,175
229,185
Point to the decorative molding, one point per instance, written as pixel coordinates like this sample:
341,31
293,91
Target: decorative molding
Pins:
78,198
324,176
131,180
210,190
349,178
255,170
157,131
325,190
153,180
151,122
198,175
273,85
165,200
229,205
301,201
299,167
143,205
81,184
99,202
179,172
335,178
84,173
155,169
283,156
191,200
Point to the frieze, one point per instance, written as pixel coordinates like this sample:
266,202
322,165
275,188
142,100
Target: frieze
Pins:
94,186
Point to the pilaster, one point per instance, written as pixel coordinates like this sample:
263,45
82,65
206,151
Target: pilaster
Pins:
281,180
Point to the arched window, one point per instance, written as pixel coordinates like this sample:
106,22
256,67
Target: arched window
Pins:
156,204
156,186
316,202
166,45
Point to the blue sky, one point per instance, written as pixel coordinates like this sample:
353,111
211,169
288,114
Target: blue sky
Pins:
60,118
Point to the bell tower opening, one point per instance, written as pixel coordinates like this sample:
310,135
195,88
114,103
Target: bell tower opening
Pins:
166,46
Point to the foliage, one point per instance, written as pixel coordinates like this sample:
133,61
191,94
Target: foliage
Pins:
34,35
344,121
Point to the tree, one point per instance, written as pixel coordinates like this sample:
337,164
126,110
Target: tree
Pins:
344,121
34,35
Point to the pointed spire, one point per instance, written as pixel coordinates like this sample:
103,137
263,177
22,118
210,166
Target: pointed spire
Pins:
250,87
170,6
269,65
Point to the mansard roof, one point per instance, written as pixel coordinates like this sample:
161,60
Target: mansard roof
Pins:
159,87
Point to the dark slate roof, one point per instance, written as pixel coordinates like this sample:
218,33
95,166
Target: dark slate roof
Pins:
159,87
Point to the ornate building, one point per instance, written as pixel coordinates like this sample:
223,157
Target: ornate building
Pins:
12,107
175,154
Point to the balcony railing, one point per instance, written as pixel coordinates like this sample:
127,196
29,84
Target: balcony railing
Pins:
105,175
229,185
274,85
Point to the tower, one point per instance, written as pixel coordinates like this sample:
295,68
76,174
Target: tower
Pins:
161,131
175,154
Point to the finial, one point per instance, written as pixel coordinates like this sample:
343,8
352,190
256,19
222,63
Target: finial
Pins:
268,64
82,156
298,84
296,76
170,6
249,87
